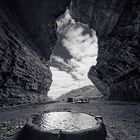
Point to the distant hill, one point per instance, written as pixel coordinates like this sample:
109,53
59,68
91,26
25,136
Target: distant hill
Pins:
86,92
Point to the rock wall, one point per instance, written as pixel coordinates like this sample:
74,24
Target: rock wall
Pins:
117,24
27,35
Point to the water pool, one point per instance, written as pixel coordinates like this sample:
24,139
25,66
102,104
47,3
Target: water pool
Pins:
63,126
65,121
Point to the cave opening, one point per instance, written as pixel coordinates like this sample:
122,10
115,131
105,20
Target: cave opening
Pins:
75,52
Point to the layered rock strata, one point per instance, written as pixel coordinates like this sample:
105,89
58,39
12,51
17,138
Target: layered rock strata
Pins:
27,36
117,24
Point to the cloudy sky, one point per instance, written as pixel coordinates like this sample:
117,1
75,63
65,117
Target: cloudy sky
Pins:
75,52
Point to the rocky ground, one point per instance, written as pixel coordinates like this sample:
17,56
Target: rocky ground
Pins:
121,118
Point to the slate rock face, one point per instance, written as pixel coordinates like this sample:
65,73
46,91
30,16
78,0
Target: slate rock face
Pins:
117,24
27,36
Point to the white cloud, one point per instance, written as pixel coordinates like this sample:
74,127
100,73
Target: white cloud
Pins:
83,48
64,82
64,21
59,59
81,42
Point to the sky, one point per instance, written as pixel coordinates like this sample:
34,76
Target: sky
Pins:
75,52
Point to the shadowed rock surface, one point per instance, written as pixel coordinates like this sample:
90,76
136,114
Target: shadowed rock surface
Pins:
117,24
27,36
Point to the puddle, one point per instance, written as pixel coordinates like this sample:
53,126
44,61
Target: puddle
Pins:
66,121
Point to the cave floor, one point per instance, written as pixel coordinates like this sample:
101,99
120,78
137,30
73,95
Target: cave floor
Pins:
122,119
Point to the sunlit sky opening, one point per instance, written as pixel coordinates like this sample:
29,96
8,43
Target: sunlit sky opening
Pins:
75,52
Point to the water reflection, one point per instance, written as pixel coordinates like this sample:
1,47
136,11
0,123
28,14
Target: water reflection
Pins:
66,121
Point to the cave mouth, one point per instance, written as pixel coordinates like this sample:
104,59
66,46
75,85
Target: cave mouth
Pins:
75,52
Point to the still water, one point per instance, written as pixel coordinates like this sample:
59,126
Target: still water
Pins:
66,121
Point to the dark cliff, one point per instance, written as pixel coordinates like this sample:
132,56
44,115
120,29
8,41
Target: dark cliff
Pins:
117,24
27,35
